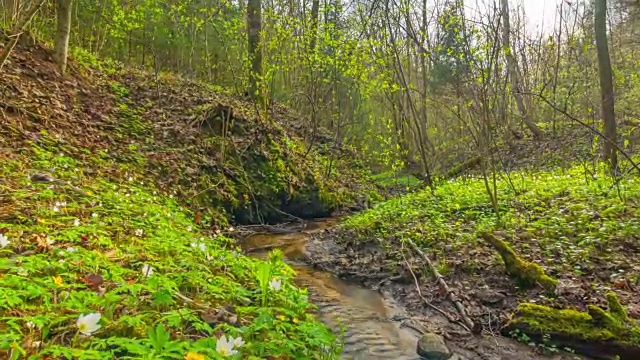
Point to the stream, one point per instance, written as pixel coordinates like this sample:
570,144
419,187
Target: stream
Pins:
366,315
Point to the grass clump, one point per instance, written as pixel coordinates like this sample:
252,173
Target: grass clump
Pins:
525,273
127,272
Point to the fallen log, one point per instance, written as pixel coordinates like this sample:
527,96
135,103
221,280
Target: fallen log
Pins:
595,333
525,273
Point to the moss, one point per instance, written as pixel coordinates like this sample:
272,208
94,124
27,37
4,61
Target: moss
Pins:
527,274
602,318
615,308
594,325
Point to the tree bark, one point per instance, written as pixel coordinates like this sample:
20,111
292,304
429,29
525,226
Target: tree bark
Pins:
606,81
254,25
514,72
315,8
61,49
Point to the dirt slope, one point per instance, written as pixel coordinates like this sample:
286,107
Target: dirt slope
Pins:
212,150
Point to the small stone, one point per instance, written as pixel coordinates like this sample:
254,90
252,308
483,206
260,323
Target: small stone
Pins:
432,347
490,297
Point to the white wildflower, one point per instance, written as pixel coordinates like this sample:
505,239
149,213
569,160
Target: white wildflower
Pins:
4,240
94,215
130,178
139,232
189,228
88,324
275,284
200,246
147,270
76,222
238,342
56,209
30,324
225,347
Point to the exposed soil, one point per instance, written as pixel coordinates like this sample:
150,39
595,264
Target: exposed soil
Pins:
489,300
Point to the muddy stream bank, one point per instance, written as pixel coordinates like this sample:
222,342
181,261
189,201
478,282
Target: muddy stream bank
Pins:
377,323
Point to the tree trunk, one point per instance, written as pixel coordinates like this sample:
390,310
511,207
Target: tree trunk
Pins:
606,82
62,34
514,72
315,7
254,25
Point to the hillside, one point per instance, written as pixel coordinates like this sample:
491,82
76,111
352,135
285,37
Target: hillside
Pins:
117,196
212,150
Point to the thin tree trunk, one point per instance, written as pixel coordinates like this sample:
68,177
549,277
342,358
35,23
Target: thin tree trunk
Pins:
514,75
254,25
61,49
17,31
315,8
606,81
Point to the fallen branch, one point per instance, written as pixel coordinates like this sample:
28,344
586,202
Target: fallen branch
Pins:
426,302
475,328
48,179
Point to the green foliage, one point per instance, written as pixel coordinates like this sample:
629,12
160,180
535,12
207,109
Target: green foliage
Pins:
69,255
562,219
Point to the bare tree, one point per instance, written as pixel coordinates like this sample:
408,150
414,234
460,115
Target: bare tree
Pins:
606,81
514,72
18,28
62,34
254,26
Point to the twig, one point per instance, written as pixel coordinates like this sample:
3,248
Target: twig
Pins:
426,302
284,213
470,325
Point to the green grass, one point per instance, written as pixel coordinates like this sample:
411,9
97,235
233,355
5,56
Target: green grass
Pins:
398,180
562,218
70,255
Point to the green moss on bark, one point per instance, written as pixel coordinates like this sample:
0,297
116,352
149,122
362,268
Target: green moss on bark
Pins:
594,325
615,308
527,274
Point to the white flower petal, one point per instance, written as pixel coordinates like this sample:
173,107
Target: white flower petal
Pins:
238,342
4,240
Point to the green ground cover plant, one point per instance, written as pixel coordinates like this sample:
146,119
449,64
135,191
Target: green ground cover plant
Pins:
120,269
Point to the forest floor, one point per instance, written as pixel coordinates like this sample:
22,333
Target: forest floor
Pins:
116,198
579,225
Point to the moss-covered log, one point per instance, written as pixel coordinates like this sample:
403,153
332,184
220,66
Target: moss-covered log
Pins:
462,167
527,274
595,333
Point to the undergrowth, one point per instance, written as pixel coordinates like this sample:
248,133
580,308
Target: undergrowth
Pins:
162,286
573,214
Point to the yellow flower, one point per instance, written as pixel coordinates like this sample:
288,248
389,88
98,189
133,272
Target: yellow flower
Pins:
295,320
57,280
281,317
193,356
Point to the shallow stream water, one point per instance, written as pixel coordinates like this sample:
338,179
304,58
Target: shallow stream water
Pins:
365,314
